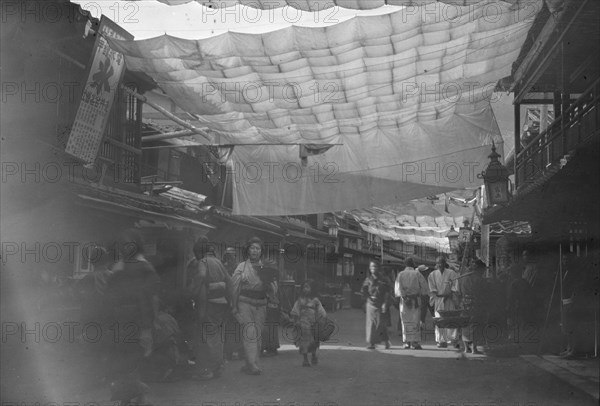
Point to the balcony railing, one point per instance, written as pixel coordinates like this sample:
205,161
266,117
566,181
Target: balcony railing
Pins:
122,139
577,126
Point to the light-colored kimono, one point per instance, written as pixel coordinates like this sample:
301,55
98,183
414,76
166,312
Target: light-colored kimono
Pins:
443,284
409,287
308,311
252,311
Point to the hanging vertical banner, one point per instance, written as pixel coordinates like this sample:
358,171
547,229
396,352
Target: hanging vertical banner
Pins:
485,244
103,76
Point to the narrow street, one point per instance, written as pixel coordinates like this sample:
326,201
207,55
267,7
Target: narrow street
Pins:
170,169
347,374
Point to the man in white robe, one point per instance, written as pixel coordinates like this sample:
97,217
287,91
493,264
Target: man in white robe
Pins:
409,287
443,288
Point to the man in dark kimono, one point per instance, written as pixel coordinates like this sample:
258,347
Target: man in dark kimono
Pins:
471,290
133,288
232,331
211,289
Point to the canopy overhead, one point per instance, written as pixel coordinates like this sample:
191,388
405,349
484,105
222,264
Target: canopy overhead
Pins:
316,5
423,222
405,94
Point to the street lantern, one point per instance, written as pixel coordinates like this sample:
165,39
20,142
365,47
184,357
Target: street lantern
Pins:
453,238
495,178
465,233
333,226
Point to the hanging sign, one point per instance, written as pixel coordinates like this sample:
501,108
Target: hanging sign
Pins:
103,76
485,244
464,235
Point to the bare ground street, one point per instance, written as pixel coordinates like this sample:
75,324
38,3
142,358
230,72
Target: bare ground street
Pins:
348,374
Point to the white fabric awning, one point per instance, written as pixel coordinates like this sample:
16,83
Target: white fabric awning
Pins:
315,5
406,94
423,222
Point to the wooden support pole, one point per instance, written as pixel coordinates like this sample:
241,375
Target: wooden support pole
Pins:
223,145
557,104
167,113
168,136
123,146
517,128
564,105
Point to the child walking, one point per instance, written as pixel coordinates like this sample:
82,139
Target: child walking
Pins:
307,310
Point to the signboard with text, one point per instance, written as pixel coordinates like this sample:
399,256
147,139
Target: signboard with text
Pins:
464,235
103,76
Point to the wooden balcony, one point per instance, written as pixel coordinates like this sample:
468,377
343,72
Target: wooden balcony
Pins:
120,149
577,127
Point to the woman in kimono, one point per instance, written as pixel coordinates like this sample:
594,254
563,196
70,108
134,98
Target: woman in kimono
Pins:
376,289
249,305
306,311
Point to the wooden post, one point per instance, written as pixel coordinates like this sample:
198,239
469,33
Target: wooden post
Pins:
517,141
565,96
557,105
560,270
281,259
543,128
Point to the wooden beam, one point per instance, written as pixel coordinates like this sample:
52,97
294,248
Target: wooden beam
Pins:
517,137
536,49
592,58
536,101
69,58
167,136
167,113
552,25
226,145
573,99
123,146
566,92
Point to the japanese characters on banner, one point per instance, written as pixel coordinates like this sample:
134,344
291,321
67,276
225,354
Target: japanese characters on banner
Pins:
104,73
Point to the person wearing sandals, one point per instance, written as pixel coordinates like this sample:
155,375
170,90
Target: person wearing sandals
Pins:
210,287
376,289
250,304
306,311
410,287
443,288
471,290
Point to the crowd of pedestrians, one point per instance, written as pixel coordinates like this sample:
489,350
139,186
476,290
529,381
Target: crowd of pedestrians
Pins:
227,311
230,310
415,293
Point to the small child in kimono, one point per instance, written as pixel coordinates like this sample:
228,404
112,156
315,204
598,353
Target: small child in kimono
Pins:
307,310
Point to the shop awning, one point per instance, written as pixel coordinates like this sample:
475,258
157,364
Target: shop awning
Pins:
173,220
402,95
292,235
391,259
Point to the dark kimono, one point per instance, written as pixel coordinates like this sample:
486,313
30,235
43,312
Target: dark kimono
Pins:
132,287
377,292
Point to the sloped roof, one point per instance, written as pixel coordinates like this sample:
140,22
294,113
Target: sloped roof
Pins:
154,207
